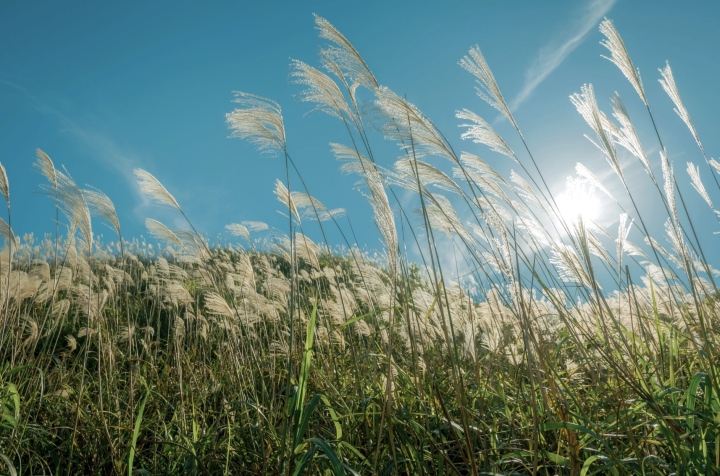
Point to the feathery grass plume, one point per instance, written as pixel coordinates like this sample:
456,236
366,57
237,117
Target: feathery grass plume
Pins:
217,305
161,232
585,173
619,56
344,55
669,184
286,198
677,241
407,168
321,90
625,135
487,88
384,218
523,187
443,217
410,127
237,229
255,226
587,107
480,132
154,190
667,81
46,166
715,165
4,184
70,199
7,233
258,120
694,173
624,227
482,174
103,206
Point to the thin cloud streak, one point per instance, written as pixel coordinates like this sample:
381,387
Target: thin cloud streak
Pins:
556,51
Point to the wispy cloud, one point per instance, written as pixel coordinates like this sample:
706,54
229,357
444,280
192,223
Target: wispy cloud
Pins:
559,48
103,147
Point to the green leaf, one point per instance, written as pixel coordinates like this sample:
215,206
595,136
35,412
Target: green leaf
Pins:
136,431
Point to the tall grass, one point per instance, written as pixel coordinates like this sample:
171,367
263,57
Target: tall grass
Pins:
574,348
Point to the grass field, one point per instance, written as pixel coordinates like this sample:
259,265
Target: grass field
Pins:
577,349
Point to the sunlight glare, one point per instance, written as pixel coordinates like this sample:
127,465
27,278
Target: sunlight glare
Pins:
579,202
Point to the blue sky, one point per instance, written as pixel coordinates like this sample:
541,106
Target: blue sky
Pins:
105,87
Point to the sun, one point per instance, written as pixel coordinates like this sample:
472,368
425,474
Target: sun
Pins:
579,202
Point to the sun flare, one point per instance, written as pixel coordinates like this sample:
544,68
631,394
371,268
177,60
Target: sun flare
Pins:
579,202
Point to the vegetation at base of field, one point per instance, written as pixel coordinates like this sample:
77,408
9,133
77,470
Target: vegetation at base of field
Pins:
297,359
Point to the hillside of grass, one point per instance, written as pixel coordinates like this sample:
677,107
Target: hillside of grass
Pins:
575,348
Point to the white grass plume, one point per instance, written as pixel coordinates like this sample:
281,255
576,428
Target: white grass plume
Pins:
487,87
408,170
70,199
320,89
238,229
4,184
161,232
154,190
587,107
258,120
620,57
46,166
384,218
626,135
480,132
694,173
669,185
7,233
285,197
667,81
345,55
413,131
103,206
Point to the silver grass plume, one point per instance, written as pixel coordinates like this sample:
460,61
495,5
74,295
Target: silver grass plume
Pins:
70,199
407,170
45,164
7,233
311,208
384,218
285,197
161,232
321,90
523,187
694,173
344,55
410,127
443,217
587,107
154,190
480,132
667,81
258,120
103,206
487,88
4,184
216,305
238,229
620,57
669,185
715,165
625,135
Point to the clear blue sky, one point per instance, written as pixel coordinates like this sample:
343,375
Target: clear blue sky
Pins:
104,87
